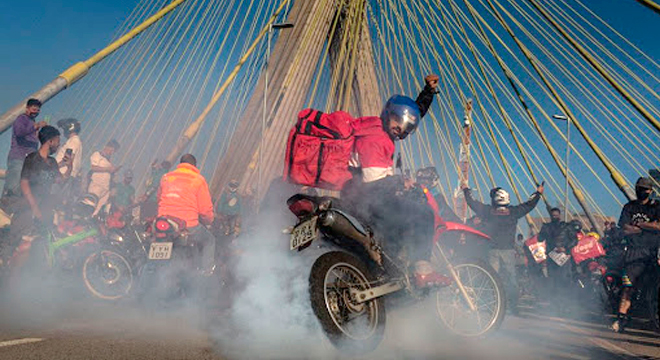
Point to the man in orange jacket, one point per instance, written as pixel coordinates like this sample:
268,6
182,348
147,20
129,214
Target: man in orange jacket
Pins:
184,194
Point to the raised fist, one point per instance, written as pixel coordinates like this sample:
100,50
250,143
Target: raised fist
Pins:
432,80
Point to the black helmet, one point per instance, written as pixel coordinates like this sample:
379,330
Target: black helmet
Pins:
427,176
575,225
69,125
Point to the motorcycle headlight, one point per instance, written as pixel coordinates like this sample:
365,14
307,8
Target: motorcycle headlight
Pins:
113,236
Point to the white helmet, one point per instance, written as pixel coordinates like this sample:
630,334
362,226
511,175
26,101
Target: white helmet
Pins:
499,197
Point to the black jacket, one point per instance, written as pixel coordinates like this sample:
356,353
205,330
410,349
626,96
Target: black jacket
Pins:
500,222
550,232
425,99
559,234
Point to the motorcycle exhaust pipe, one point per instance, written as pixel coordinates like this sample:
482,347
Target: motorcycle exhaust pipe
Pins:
338,225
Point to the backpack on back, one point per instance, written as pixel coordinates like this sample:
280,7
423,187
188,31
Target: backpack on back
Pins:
319,149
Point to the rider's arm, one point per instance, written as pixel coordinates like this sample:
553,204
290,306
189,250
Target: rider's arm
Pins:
650,226
204,204
523,209
425,98
625,222
96,160
23,127
27,193
479,208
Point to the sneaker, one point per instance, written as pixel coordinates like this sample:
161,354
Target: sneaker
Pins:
425,276
619,325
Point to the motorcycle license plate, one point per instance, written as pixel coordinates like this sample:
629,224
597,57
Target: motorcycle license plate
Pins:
304,233
160,251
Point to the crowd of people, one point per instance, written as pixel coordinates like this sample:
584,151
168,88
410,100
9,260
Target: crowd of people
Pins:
44,176
37,162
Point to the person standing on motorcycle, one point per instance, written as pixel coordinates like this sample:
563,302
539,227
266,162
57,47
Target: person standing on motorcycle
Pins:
500,221
40,171
640,223
374,197
24,140
184,194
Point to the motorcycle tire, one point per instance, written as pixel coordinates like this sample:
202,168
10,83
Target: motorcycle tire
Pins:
110,276
473,268
330,306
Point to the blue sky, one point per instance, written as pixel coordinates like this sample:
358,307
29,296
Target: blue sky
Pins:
42,38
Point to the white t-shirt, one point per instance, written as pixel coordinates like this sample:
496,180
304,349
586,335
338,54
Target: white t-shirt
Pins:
100,179
75,145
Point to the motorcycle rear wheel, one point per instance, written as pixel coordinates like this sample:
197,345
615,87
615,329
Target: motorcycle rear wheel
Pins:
485,290
350,327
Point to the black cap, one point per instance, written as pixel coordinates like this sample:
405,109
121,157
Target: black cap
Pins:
644,182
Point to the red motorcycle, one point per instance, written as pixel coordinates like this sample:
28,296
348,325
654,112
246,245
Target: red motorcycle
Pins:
347,286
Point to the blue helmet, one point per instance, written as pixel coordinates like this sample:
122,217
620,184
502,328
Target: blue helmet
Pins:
405,112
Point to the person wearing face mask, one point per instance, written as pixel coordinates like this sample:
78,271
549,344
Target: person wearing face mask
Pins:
24,140
550,231
40,171
229,209
640,223
500,220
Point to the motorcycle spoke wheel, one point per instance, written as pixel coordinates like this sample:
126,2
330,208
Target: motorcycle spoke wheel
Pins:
484,291
354,328
107,275
356,321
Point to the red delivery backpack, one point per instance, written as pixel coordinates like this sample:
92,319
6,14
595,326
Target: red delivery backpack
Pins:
319,149
588,247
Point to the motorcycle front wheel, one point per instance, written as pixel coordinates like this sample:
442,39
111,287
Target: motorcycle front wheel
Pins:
485,291
351,326
107,275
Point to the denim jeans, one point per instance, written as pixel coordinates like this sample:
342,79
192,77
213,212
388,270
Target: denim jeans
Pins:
13,178
504,262
202,235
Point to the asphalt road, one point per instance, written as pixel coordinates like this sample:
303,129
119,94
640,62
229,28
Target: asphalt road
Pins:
82,330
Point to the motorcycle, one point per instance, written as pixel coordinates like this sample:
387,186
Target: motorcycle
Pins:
71,247
130,235
170,271
347,287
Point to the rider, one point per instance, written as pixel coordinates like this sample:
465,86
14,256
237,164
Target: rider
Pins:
427,178
500,221
184,194
640,222
397,218
40,171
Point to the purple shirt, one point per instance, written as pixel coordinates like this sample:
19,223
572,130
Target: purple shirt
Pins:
24,138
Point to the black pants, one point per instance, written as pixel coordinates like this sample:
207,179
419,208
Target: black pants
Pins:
402,223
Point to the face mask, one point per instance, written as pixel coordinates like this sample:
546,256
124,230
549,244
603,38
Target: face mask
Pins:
642,194
555,220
